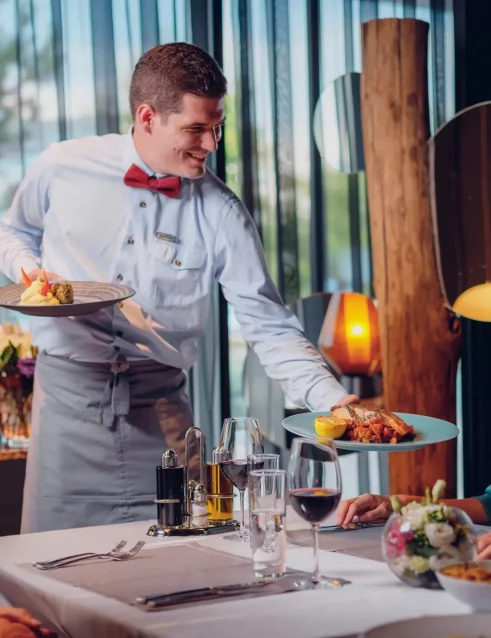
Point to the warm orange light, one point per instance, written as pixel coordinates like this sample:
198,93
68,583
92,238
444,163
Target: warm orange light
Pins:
475,303
350,338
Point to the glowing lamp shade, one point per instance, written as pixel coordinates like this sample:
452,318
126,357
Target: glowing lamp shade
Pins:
475,303
350,338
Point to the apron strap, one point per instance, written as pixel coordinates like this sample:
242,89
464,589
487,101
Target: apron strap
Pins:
115,402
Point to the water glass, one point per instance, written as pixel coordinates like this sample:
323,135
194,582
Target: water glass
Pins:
260,462
268,522
263,462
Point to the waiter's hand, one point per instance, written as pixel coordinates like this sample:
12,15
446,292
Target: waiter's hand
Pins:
38,273
18,623
349,398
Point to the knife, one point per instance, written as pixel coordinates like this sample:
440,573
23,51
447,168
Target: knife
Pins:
352,526
202,591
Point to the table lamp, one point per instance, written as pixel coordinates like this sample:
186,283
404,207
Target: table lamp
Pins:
475,303
350,342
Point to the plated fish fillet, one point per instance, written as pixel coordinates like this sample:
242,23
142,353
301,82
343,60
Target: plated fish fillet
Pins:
372,425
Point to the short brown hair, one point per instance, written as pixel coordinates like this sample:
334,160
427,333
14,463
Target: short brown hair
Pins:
165,73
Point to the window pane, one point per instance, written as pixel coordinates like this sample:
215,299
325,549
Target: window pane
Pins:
301,142
78,67
263,98
233,170
127,45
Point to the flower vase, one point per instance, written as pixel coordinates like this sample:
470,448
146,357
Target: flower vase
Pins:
15,409
422,538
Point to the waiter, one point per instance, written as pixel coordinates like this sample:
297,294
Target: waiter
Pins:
143,210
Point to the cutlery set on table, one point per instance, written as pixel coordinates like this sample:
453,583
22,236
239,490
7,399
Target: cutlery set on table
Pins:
114,554
283,584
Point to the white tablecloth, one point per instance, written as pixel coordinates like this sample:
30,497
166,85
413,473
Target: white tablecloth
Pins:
375,597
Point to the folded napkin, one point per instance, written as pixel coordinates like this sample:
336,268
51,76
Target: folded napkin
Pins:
159,571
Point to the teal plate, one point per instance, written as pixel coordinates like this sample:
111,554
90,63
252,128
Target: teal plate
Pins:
428,432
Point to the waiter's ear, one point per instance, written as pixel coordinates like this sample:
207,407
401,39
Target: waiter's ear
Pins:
144,117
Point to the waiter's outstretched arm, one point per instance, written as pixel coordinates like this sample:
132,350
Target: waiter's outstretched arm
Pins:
21,229
268,326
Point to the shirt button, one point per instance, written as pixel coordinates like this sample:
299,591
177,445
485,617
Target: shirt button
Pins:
119,333
119,277
177,263
117,348
143,205
131,241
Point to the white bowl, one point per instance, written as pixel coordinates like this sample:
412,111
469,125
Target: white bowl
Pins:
476,595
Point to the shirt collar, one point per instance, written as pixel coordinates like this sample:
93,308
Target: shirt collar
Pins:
130,156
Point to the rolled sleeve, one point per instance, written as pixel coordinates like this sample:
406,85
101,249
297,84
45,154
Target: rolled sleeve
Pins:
271,329
21,229
485,500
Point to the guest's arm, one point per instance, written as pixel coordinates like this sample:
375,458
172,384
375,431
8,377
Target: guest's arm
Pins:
369,507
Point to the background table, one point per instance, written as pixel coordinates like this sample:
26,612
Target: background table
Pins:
375,596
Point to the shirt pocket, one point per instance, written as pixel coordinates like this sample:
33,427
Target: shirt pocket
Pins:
176,276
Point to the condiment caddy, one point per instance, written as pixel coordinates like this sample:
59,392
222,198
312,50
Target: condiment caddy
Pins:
189,507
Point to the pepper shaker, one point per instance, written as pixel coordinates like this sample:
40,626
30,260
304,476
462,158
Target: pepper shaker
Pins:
170,490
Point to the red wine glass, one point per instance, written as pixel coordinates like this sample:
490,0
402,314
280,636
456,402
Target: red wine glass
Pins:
314,483
240,438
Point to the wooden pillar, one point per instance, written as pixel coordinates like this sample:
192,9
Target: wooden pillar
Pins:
420,338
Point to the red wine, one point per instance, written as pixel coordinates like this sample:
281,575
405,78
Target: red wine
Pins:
236,472
314,504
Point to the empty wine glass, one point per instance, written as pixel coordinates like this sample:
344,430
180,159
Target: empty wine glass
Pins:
314,483
241,437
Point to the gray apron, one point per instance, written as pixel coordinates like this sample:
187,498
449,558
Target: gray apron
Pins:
98,432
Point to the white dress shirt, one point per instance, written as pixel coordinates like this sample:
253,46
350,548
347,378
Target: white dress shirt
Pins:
73,215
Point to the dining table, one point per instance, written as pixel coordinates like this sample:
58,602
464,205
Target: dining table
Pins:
374,597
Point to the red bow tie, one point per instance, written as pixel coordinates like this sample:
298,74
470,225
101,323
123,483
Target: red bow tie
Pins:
170,186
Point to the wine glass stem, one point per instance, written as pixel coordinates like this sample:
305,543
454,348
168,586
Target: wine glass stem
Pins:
242,524
316,574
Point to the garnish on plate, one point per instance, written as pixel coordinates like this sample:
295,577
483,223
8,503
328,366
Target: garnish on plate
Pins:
366,424
41,292
330,426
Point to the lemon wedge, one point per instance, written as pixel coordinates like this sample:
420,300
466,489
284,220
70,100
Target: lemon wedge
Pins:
330,426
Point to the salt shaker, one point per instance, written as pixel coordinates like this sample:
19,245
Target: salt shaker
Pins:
198,505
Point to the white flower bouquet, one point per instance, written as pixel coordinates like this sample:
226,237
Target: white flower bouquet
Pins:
425,536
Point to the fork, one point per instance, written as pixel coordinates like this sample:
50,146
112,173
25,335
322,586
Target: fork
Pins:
115,550
119,557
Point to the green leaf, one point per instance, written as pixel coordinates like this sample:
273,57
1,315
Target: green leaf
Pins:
427,496
6,356
395,504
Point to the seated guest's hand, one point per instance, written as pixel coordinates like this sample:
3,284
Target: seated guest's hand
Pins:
484,547
366,507
18,623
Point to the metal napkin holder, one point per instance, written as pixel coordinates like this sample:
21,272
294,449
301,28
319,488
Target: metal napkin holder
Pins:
189,526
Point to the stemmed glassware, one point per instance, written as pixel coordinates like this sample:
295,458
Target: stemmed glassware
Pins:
314,484
241,438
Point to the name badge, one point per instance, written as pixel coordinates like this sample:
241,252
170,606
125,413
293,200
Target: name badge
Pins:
166,237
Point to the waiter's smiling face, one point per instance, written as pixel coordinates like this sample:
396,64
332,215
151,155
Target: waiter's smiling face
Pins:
179,142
